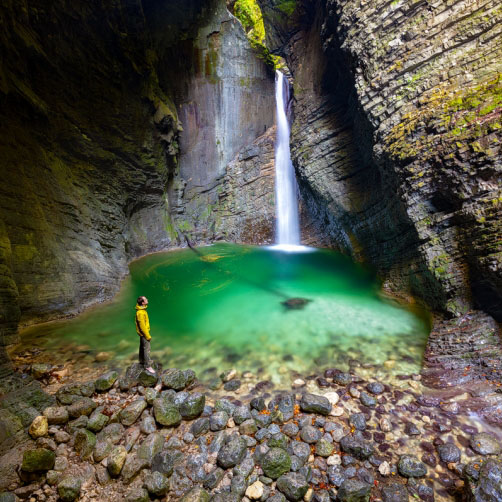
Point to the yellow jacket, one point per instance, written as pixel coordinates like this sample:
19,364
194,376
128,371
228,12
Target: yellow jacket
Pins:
142,322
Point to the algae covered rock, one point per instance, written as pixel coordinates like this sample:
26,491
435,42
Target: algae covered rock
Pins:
69,488
166,413
83,406
132,412
84,443
196,494
106,381
193,406
354,490
156,483
232,453
275,463
293,485
174,378
38,460
116,460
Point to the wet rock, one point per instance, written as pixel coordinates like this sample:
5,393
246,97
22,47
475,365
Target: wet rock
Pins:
132,466
193,406
69,488
213,478
196,494
367,400
112,433
147,425
485,444
200,426
238,485
342,378
105,382
310,434
275,463
375,388
291,430
116,460
293,485
358,420
150,447
165,461
148,379
39,427
411,429
410,467
166,413
174,378
248,427
323,448
244,468
241,414
84,443
312,403
232,453
97,420
84,406
485,483
156,483
61,464
232,385
448,453
356,446
277,497
56,415
300,450
354,490
218,421
395,493
38,460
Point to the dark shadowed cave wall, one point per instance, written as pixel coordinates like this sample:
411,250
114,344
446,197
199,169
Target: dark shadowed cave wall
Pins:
96,100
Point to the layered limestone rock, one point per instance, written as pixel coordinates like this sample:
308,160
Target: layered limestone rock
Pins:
98,101
397,122
396,143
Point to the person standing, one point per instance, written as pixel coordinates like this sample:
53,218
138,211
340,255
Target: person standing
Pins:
143,330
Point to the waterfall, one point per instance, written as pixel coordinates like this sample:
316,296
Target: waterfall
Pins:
288,227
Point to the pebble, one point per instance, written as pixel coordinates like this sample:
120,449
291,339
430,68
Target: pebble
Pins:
255,491
385,424
335,459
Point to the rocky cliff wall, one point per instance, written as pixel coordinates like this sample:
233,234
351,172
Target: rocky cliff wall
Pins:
396,138
97,99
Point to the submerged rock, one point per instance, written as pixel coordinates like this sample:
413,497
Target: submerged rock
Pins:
410,467
485,444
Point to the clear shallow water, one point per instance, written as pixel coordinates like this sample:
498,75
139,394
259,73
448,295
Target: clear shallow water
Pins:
224,310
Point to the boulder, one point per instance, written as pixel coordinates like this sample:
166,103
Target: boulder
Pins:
38,460
313,403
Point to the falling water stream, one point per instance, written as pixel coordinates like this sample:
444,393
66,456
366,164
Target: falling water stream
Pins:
288,227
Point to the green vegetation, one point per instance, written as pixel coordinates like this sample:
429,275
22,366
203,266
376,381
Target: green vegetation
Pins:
287,6
248,12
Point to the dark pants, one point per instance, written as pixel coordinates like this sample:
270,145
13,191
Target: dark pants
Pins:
144,352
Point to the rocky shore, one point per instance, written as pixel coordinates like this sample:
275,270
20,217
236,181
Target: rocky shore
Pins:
165,436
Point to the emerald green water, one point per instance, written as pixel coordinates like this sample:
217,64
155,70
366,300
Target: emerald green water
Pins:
224,311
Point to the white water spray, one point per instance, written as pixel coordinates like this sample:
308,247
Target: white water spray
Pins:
288,227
